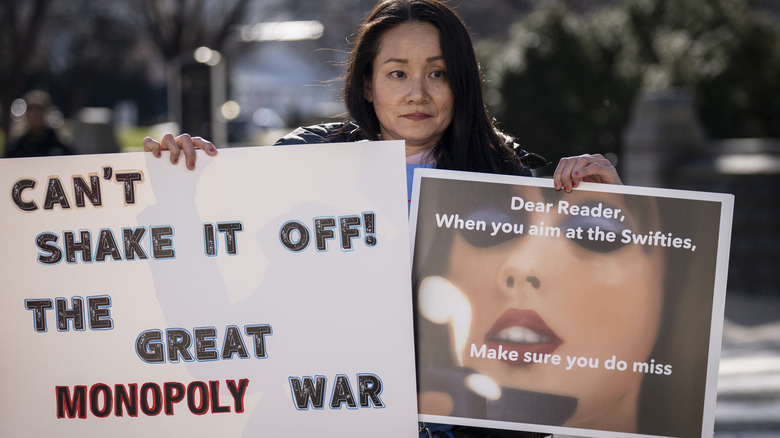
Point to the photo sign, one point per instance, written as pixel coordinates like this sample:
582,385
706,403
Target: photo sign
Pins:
593,313
265,293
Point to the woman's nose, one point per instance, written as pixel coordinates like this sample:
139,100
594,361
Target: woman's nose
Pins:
418,92
518,276
532,280
514,282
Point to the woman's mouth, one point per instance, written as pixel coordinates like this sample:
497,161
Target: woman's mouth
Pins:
523,331
416,116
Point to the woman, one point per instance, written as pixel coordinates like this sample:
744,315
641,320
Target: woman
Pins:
413,75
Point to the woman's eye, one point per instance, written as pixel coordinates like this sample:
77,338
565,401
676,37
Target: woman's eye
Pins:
483,222
439,74
596,234
397,74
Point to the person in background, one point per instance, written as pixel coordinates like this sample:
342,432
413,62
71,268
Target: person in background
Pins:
39,139
413,75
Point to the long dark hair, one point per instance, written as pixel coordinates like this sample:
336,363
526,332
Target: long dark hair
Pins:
471,142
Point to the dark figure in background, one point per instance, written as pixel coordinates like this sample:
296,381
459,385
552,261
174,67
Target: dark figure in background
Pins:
39,139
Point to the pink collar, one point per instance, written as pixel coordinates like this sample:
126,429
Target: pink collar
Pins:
424,157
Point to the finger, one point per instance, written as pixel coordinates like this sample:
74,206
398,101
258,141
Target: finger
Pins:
205,145
595,168
563,173
600,172
169,142
572,171
184,141
557,174
152,145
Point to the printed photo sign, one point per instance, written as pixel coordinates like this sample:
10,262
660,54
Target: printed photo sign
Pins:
266,293
593,313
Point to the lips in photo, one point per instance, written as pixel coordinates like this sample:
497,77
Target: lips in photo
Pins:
523,331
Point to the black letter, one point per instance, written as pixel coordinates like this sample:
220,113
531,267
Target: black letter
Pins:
99,318
72,247
342,393
106,246
64,314
238,393
259,332
215,406
204,397
80,189
179,341
322,231
55,254
132,239
55,194
129,179
123,399
230,228
94,392
348,231
148,351
174,393
209,239
369,387
204,343
156,399
16,194
310,391
39,312
233,343
74,406
303,236
161,244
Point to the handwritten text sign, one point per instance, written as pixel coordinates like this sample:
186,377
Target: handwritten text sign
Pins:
266,293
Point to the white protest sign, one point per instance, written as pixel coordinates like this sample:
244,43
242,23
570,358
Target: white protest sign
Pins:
266,293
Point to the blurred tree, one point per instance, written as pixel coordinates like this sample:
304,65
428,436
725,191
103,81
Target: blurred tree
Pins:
565,82
95,57
179,26
20,29
560,85
723,51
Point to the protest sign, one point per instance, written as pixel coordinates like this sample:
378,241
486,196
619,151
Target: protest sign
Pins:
592,313
265,293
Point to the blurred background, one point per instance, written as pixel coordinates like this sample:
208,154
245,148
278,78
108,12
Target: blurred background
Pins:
682,94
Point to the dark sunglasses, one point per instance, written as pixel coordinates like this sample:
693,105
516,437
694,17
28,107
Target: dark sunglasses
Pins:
488,224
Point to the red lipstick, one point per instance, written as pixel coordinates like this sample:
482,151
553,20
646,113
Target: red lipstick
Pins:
523,331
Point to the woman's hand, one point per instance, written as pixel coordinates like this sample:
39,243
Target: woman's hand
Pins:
588,168
435,403
177,145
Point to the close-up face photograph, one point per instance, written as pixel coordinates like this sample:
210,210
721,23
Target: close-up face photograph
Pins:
571,302
535,294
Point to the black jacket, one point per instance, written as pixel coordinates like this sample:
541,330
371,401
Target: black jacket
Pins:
350,132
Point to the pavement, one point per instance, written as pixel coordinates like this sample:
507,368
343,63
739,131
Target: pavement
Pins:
748,404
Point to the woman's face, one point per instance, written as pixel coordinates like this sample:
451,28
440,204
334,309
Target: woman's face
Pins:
409,86
563,296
